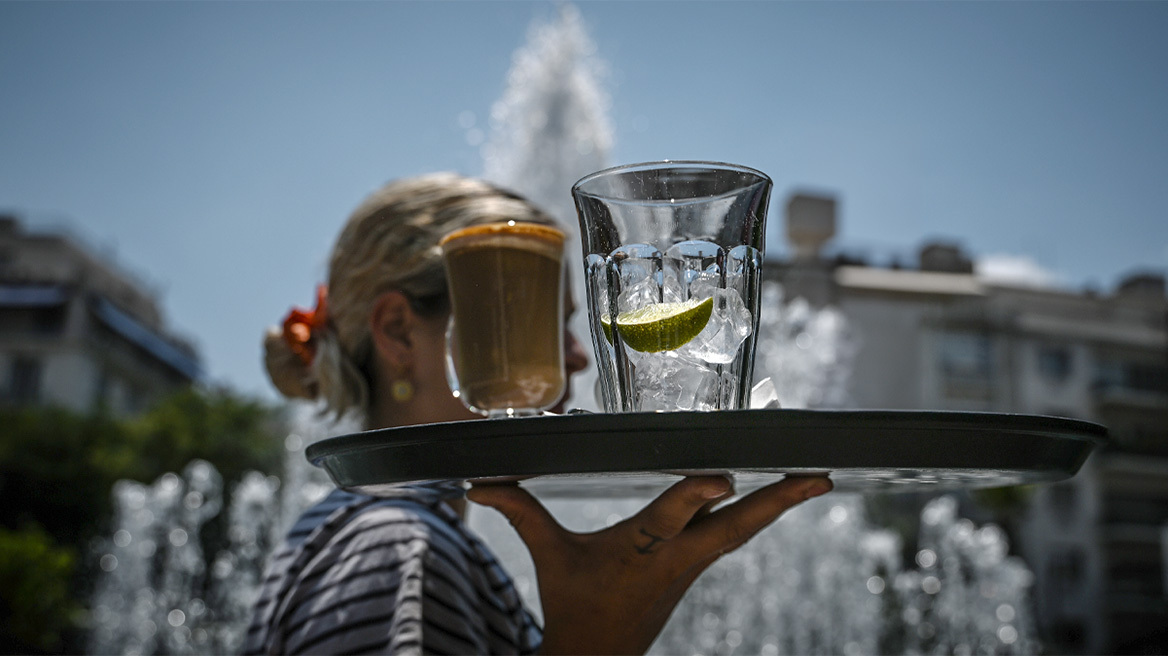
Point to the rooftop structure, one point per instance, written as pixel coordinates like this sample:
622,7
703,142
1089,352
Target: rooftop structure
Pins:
77,332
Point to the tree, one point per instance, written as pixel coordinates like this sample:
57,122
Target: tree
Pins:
57,469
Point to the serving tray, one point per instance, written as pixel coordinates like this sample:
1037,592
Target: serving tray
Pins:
621,455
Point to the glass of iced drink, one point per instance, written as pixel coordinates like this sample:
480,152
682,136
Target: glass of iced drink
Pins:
505,343
673,259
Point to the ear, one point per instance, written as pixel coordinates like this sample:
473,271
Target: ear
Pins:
390,324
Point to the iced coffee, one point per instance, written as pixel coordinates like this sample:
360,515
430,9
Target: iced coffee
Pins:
506,335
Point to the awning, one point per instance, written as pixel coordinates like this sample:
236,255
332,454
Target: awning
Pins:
1108,332
908,281
146,339
32,296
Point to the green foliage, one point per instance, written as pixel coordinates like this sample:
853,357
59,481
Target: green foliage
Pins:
233,433
35,604
1005,503
57,469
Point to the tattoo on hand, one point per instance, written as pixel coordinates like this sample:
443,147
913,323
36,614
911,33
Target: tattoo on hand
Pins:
653,540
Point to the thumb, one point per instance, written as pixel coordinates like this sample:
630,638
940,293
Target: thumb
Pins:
534,524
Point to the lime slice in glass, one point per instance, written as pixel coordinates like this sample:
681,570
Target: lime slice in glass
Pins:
661,326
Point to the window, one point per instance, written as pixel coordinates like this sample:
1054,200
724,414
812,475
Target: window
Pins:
965,356
1132,376
1054,363
24,381
50,321
1147,377
32,321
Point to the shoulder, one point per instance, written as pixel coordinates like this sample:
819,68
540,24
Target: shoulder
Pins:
395,575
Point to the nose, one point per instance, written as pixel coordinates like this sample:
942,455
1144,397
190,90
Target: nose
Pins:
575,360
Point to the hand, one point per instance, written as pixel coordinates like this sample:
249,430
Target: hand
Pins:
612,591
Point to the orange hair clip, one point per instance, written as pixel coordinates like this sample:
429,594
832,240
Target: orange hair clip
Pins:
300,326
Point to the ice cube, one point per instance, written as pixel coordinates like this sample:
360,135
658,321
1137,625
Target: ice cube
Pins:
727,390
667,382
695,262
639,268
703,284
730,324
701,390
638,295
601,296
694,254
764,395
673,290
650,378
742,266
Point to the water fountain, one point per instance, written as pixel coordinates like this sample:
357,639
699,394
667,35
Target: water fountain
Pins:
820,580
806,352
159,593
823,581
549,129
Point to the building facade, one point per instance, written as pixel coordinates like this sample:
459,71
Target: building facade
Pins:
77,332
937,336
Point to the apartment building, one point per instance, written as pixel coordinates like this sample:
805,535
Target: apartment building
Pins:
935,336
78,332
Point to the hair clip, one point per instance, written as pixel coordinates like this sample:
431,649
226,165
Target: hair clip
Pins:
300,326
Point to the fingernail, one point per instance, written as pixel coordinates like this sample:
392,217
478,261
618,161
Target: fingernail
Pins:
816,487
714,493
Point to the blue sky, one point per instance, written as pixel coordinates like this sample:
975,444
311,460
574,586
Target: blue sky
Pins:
218,146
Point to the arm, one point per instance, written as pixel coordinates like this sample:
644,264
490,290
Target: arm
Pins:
612,591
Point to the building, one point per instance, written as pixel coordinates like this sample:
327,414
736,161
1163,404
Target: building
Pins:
77,332
937,336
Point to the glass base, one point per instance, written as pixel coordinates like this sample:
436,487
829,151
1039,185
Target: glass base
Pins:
510,413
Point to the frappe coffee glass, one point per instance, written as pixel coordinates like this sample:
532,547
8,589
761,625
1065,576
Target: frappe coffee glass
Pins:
505,343
673,262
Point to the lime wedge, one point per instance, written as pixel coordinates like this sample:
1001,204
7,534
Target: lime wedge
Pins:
661,326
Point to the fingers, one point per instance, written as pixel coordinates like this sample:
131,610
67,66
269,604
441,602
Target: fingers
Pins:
535,525
730,527
709,506
669,513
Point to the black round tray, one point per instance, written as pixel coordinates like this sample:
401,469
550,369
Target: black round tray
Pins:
597,455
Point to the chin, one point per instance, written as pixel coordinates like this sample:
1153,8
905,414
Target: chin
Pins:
558,408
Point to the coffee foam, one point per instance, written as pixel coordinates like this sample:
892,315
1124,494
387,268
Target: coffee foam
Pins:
534,237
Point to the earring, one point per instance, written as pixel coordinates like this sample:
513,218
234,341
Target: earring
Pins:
402,390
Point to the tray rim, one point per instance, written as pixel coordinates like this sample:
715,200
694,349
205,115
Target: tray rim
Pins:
552,426
1009,449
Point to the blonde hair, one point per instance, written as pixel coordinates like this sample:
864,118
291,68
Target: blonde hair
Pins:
390,242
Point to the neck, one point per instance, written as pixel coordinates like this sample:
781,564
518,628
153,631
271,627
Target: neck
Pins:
388,414
385,415
385,412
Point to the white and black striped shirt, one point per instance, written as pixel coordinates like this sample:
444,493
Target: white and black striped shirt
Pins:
400,575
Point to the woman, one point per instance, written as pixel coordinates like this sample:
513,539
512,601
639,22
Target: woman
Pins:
404,574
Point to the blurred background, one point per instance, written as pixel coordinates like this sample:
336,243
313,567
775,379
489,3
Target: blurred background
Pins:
968,215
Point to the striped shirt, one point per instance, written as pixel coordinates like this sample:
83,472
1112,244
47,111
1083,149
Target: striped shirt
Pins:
400,575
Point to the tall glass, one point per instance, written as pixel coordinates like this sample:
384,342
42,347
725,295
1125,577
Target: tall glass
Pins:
673,262
505,343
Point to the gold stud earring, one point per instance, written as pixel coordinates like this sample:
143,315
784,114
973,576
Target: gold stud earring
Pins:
402,390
